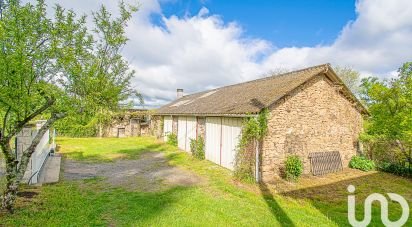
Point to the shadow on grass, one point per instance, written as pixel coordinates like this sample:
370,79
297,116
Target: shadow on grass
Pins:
274,206
92,204
139,207
331,197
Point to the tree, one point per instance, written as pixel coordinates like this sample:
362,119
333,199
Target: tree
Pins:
390,106
53,69
350,77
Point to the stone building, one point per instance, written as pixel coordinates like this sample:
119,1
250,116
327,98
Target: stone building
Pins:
133,122
310,110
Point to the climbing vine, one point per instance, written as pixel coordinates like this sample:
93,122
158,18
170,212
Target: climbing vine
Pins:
253,131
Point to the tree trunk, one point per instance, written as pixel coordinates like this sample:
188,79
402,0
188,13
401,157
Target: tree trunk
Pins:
8,196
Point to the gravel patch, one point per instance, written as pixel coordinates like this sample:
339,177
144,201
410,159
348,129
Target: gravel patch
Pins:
151,172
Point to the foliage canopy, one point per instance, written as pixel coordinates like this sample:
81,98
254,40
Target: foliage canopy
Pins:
388,132
53,68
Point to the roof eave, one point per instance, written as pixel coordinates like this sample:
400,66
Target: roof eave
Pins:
209,114
332,75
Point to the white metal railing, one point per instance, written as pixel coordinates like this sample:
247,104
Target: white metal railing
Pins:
39,157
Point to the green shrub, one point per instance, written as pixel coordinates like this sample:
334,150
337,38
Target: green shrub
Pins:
398,169
172,139
361,163
197,147
293,167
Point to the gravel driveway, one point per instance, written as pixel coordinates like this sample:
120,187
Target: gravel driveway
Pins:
151,172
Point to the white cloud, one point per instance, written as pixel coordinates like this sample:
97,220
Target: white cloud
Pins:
201,51
376,42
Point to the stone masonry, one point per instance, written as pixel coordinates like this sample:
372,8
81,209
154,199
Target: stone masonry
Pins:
156,126
314,117
201,126
174,124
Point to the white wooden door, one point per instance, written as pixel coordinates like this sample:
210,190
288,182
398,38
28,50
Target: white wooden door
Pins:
222,138
231,130
181,132
213,139
191,124
167,126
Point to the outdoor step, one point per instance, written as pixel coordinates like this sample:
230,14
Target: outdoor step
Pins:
51,170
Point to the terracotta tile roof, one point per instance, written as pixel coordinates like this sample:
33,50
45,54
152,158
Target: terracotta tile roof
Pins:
244,98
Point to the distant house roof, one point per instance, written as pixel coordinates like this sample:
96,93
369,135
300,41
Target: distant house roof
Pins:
250,97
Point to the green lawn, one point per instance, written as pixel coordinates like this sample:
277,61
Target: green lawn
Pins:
218,201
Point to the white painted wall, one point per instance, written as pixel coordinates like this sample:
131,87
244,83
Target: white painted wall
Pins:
40,154
167,126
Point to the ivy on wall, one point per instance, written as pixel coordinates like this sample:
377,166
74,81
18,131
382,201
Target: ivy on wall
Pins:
253,131
91,124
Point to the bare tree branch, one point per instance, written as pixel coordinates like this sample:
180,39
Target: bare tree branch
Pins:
29,151
20,124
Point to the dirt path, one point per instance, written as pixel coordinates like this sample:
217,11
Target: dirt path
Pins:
151,172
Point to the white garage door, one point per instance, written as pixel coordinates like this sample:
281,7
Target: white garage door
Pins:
212,140
222,137
167,126
181,132
231,130
191,124
186,130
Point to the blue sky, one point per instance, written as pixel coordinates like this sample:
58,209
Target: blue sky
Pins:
283,22
202,44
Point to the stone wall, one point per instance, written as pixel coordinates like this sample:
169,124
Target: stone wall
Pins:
201,126
127,126
156,126
314,118
174,124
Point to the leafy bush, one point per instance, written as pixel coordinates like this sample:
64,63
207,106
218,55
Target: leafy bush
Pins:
74,127
172,139
293,167
398,169
197,147
361,163
388,132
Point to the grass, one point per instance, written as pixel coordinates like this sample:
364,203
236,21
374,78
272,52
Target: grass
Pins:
106,149
218,201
